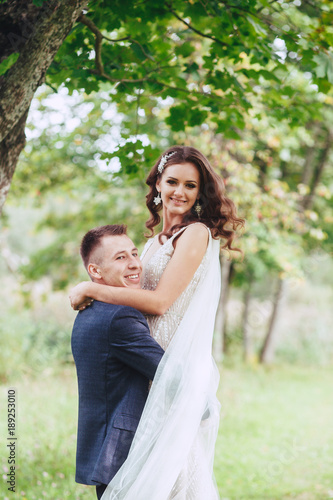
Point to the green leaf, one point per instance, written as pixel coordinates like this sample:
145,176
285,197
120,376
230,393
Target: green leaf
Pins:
324,66
8,63
196,116
178,117
257,27
185,50
191,67
230,133
269,75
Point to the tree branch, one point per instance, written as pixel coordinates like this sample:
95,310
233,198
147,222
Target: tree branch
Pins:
98,46
118,80
204,35
98,42
143,50
93,28
206,6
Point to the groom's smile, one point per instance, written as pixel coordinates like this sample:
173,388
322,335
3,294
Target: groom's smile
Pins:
116,262
133,278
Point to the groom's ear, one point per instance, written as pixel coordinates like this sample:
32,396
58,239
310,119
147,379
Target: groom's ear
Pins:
94,271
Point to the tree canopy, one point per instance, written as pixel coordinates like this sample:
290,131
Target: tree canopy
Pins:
212,62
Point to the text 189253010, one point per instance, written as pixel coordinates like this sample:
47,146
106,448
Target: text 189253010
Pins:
11,439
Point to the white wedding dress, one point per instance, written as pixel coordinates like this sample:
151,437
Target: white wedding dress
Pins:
171,457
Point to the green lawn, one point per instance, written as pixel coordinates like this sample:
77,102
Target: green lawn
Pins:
276,434
275,440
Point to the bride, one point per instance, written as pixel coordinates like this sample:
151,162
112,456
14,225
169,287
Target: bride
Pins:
172,453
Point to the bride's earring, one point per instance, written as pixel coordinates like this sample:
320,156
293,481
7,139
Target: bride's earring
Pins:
158,199
198,209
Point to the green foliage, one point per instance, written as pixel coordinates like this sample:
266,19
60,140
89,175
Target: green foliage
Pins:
73,189
8,62
208,58
29,346
78,188
324,66
303,329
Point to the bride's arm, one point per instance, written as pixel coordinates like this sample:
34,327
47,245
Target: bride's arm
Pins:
190,249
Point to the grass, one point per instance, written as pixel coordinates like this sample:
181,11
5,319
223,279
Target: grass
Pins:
276,436
275,440
46,430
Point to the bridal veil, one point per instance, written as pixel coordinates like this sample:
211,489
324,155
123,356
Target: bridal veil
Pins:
171,457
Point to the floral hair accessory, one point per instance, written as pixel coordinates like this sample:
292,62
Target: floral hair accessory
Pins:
163,161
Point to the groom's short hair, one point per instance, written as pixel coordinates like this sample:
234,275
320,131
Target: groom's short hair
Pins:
92,238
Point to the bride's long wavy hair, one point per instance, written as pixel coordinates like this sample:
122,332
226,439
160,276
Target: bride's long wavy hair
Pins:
218,211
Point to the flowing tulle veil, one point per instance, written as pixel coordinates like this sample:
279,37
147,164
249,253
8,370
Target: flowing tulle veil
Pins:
181,416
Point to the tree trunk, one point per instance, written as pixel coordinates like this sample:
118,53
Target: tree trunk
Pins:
308,165
247,343
36,33
219,343
10,149
267,353
318,171
310,155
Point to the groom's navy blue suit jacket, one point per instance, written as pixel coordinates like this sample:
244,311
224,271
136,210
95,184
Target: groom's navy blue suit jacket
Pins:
115,358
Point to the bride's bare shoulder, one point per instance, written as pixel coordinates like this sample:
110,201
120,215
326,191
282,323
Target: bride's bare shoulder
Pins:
195,234
197,229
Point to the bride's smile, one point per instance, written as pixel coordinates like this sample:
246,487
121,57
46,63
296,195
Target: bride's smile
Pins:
179,188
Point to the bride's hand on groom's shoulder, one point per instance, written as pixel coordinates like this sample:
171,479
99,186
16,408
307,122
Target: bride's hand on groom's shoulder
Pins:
78,296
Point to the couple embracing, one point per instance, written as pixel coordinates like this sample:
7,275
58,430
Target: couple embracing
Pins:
148,412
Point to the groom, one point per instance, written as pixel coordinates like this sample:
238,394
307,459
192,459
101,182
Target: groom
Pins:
115,358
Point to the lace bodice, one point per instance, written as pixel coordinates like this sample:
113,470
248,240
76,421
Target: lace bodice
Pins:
162,328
